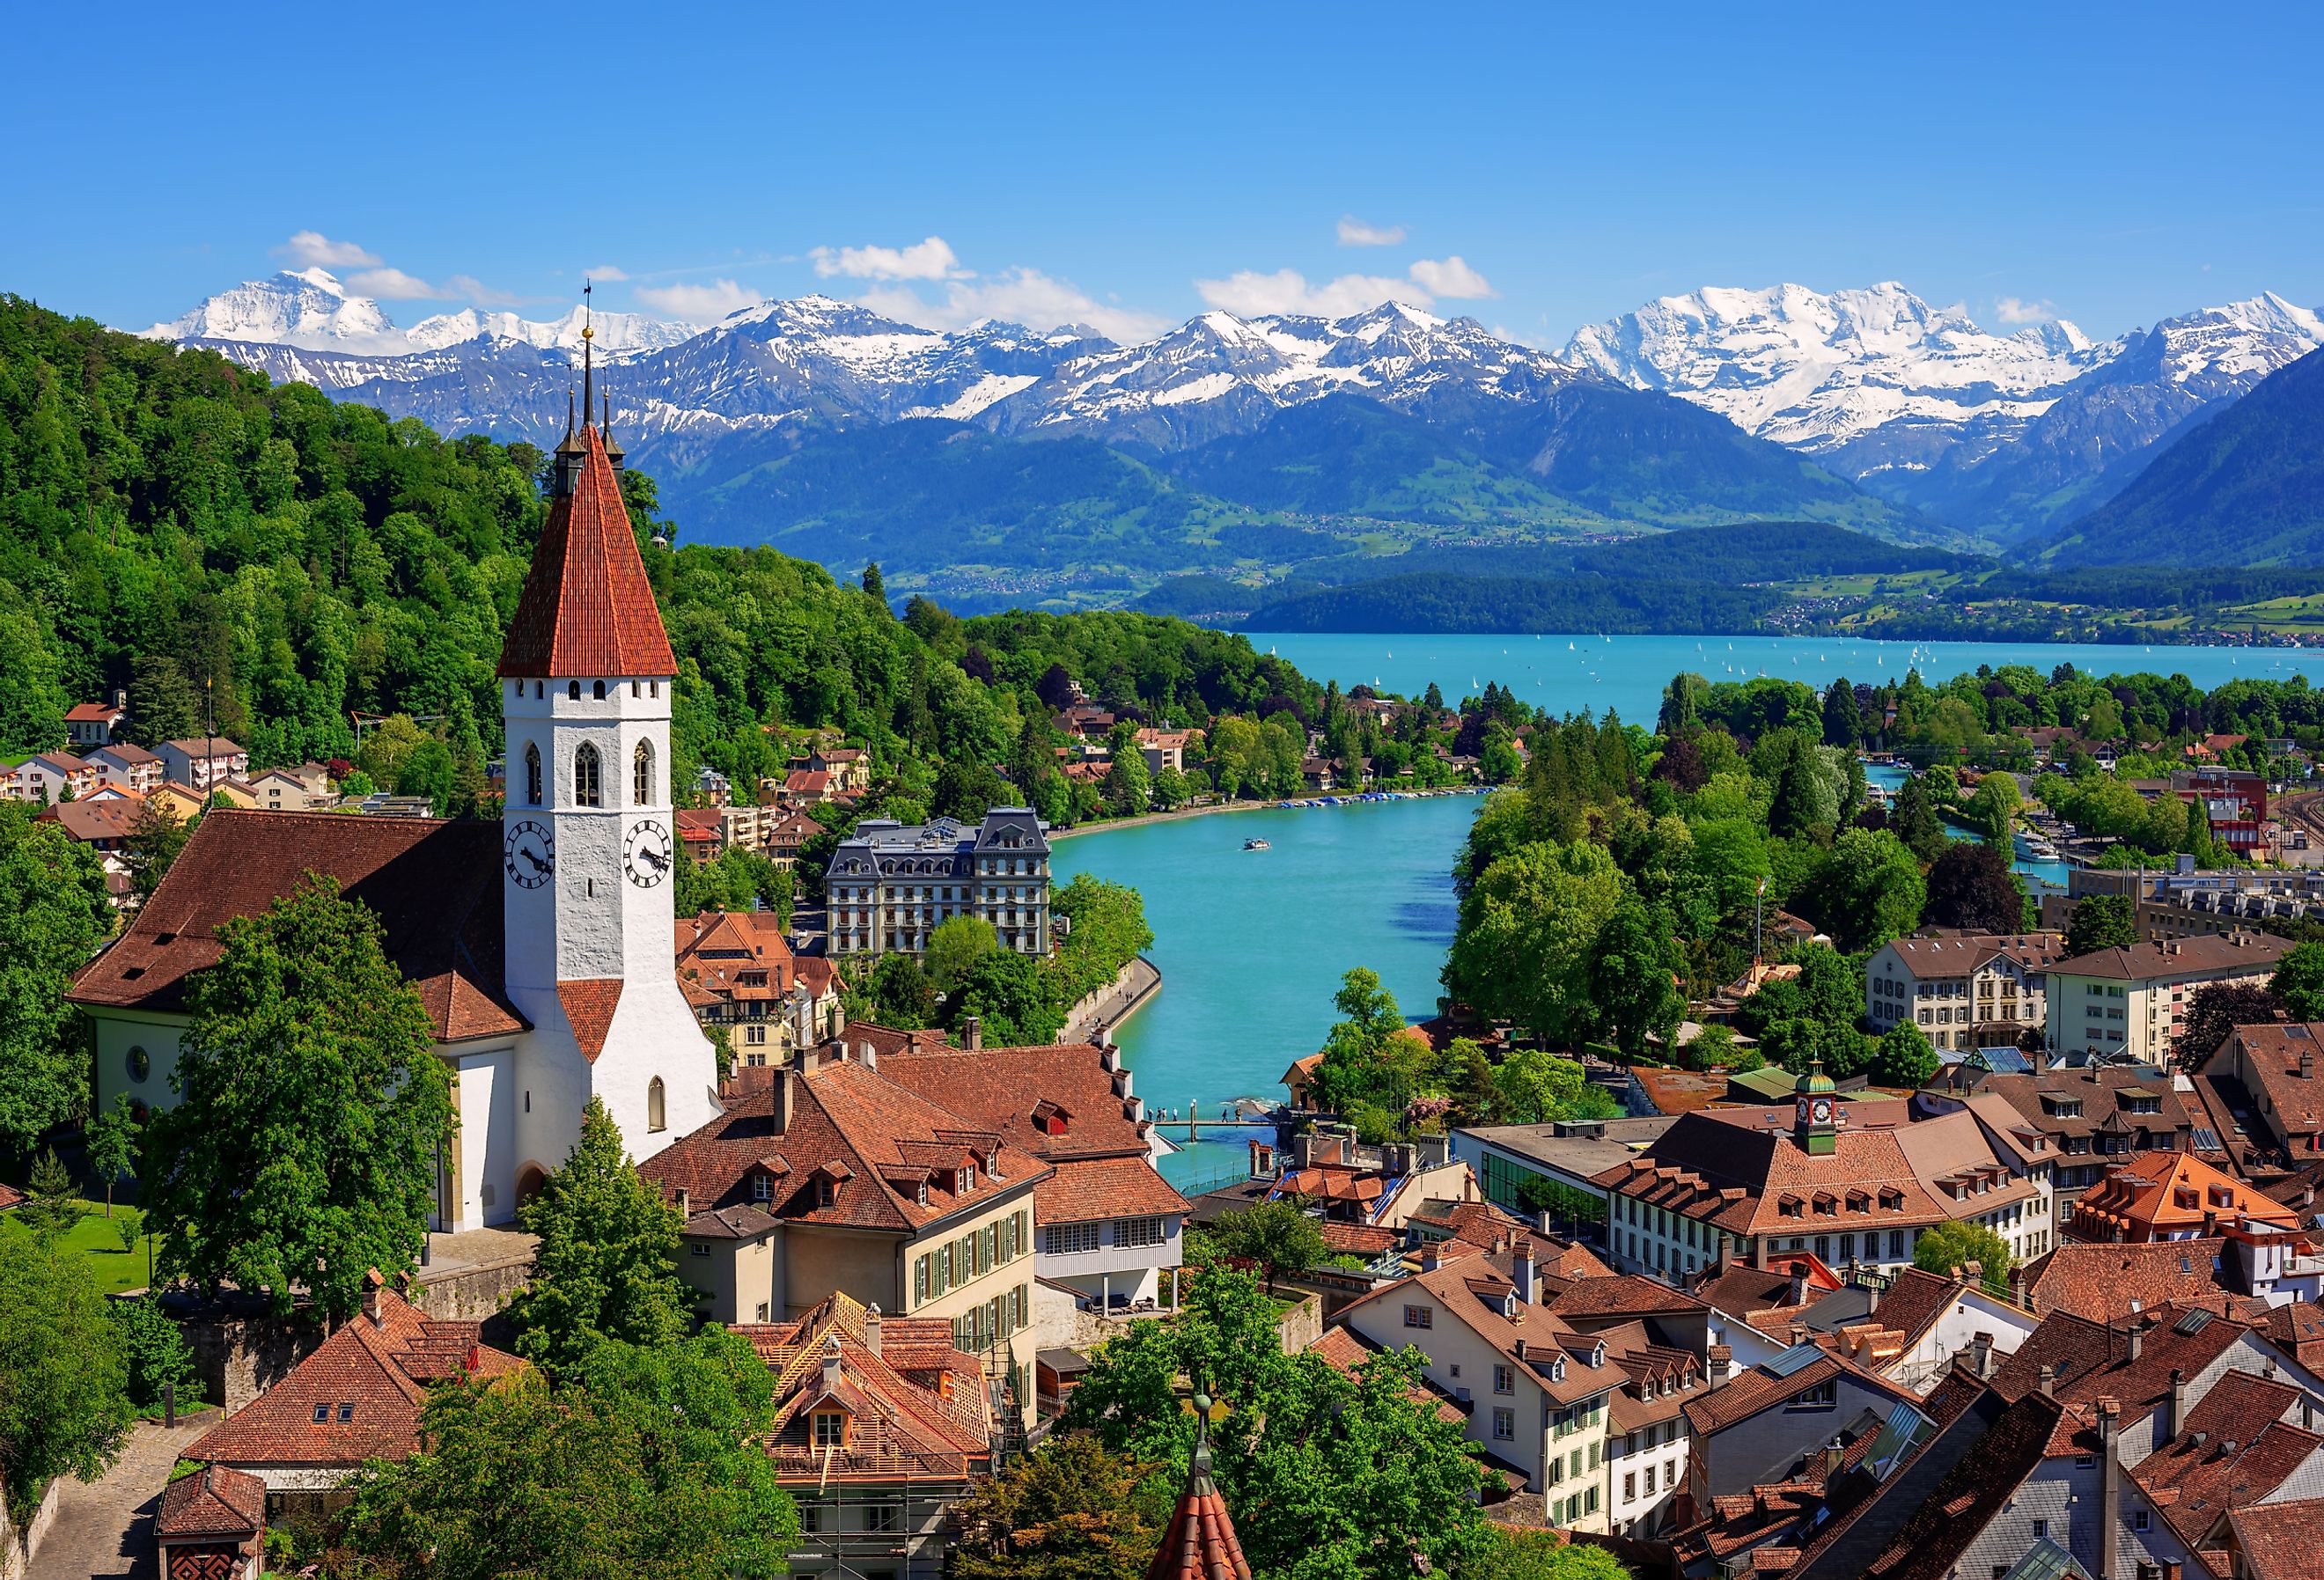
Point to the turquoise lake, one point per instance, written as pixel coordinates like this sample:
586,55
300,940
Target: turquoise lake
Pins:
1627,673
1252,944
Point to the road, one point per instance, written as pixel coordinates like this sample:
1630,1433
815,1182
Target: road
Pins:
106,1526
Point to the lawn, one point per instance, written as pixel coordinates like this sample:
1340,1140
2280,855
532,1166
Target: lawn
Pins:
95,1238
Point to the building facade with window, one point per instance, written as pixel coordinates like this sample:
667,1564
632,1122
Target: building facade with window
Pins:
2097,1116
882,1425
822,1175
2132,1003
1843,1180
891,885
1960,987
1111,1228
1536,1388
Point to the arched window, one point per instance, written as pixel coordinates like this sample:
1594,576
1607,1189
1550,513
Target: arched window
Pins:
642,776
601,691
531,773
655,1119
573,691
586,793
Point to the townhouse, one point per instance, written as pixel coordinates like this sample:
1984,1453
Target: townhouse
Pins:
2093,1114
203,762
2131,1002
1962,988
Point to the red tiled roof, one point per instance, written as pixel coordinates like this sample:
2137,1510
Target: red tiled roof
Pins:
589,1005
1000,1088
847,1123
87,713
916,1405
2089,1280
2233,1448
1345,1351
1356,1239
435,886
2280,1541
586,607
1083,1188
375,1375
1200,1541
2147,1199
1758,1389
213,1501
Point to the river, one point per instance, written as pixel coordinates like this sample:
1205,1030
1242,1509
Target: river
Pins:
1627,673
1252,944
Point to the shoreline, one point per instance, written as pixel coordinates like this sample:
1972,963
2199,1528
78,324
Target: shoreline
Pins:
1182,813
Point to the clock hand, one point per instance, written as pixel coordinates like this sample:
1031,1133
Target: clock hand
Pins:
538,864
659,859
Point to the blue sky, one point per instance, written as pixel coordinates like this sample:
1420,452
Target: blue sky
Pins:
1539,167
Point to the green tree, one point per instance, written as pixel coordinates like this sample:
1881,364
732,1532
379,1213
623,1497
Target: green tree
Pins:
1957,1243
1126,781
1070,1510
2102,922
1539,1554
1843,725
607,1264
52,1205
1327,1475
156,1353
1797,810
903,996
1971,886
312,1111
1536,1086
152,846
650,1466
1993,809
1916,822
1275,1236
64,1404
955,947
875,586
1011,997
1903,1057
54,912
1635,971
1528,927
110,1144
1866,891
2298,983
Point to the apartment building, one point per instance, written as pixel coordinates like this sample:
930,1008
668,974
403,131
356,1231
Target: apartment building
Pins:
2132,1003
1962,988
891,885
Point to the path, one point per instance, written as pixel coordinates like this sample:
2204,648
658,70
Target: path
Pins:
1138,981
106,1526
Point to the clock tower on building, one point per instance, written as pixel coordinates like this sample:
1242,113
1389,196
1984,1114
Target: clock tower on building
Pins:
588,856
1815,1120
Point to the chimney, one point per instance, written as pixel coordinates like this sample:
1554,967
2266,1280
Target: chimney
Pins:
1980,1348
1432,1256
2175,1422
871,1329
972,1032
1970,1272
1520,1349
2307,1064
2048,1380
1796,1293
1716,1359
1108,1055
787,1080
869,1058
1541,1222
831,1363
121,699
2109,1486
372,1283
1725,1257
1521,1269
2137,1338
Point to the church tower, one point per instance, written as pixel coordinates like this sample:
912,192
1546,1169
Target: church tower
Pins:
1815,1118
588,851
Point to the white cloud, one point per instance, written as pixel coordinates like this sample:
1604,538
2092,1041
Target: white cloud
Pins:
1452,278
1248,293
931,259
395,285
311,249
2013,309
1018,296
482,294
1355,233
604,271
699,303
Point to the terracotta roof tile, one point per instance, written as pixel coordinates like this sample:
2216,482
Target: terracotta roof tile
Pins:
435,886
2160,1193
2233,1450
2280,1541
369,1381
589,1005
587,608
1345,1350
2089,1281
213,1501
1083,1188
1003,1086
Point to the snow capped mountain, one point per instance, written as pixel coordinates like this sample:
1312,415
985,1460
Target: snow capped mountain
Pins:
1220,373
310,310
2007,433
1878,373
298,307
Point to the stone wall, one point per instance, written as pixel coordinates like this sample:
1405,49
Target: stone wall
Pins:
472,1291
240,1353
19,1544
1301,1325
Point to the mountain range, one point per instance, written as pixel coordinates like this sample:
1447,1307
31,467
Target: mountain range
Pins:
1001,462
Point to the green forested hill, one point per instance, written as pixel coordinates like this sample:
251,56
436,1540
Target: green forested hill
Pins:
2244,488
170,522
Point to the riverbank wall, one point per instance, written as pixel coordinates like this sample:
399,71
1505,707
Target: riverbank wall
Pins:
1102,1011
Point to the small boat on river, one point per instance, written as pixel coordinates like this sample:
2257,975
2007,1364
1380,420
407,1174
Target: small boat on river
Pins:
1256,844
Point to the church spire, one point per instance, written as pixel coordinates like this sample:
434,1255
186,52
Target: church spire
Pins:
588,337
1199,1543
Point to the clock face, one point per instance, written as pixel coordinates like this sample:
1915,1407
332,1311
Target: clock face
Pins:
1820,1111
529,854
646,855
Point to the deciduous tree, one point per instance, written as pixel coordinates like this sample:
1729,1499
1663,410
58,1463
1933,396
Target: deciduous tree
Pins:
2107,922
1971,886
1280,1240
1957,1243
312,1109
1072,1510
64,1405
54,912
